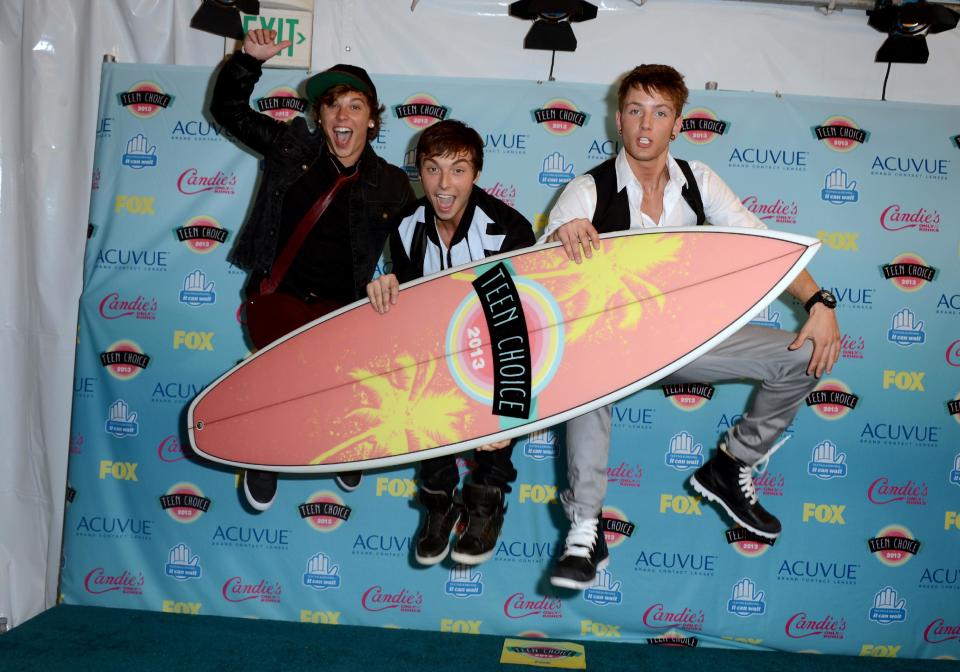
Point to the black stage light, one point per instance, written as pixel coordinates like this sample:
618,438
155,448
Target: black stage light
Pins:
551,28
907,26
222,17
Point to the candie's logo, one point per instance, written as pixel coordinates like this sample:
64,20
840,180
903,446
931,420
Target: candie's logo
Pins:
184,502
688,396
800,625
375,598
852,347
124,360
282,104
939,631
658,617
841,134
560,116
114,307
202,234
882,491
908,272
191,182
702,126
518,606
894,545
144,99
236,589
420,111
504,192
778,211
170,450
98,582
324,511
832,400
897,218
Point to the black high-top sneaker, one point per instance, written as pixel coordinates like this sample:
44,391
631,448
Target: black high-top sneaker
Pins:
584,554
260,488
433,538
729,482
485,510
349,480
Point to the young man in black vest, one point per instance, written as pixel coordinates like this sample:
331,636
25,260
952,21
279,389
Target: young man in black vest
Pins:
336,260
455,223
645,187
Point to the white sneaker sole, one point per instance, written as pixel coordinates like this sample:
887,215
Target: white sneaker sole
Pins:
710,497
429,561
259,506
465,559
564,582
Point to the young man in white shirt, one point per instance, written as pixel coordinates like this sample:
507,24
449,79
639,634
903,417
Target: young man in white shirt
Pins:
645,187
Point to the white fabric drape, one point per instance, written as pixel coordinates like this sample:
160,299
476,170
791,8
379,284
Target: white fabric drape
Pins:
50,55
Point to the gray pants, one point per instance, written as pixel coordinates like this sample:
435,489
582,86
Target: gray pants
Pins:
755,353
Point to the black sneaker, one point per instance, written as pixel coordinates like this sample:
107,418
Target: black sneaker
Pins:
349,480
433,539
729,482
485,510
260,488
584,554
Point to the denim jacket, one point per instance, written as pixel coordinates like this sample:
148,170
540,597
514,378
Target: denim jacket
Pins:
380,194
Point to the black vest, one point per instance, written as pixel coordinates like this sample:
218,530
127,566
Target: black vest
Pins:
613,209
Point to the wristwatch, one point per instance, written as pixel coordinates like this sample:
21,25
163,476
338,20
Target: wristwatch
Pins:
821,296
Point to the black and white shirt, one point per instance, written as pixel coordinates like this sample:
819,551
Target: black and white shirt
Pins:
489,226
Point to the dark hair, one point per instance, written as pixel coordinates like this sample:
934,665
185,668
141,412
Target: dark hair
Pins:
664,79
450,137
334,92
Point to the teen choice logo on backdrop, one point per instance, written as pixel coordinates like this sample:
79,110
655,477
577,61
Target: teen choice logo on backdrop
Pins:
281,103
908,272
841,134
124,360
324,511
482,355
832,400
184,502
420,111
202,234
894,545
615,526
145,99
560,117
702,126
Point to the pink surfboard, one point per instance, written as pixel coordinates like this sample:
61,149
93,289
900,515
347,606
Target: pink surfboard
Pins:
498,349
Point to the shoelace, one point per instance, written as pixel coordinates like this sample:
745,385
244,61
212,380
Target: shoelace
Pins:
581,537
745,478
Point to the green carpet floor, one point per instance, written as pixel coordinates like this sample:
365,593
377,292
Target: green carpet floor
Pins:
78,639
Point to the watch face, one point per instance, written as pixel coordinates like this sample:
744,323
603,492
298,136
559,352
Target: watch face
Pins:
829,300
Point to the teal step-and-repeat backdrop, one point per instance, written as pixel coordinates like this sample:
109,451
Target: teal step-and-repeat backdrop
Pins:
868,487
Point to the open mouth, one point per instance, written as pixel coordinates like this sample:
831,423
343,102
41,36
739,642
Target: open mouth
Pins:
342,135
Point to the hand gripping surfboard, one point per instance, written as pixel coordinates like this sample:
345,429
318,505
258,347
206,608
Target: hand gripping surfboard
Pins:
497,349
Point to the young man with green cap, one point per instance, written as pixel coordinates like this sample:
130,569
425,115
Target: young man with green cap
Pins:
336,259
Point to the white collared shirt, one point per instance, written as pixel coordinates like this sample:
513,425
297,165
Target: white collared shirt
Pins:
720,205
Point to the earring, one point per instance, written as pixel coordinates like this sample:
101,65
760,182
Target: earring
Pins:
619,131
673,136
370,124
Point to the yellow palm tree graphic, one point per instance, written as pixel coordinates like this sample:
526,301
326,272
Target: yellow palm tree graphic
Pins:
424,420
620,285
